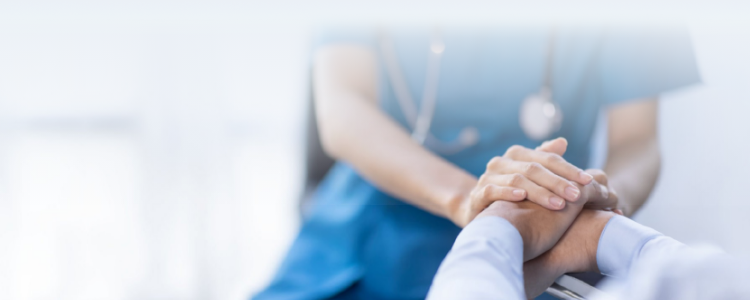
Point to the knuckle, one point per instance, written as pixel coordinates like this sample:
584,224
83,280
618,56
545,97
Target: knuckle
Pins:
532,168
515,179
598,175
482,179
495,163
514,150
553,159
487,191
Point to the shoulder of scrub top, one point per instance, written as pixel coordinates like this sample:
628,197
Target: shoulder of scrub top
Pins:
633,61
637,62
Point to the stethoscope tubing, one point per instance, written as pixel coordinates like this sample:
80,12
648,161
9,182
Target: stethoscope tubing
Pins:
420,120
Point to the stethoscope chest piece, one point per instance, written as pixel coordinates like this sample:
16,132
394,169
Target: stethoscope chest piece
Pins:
539,116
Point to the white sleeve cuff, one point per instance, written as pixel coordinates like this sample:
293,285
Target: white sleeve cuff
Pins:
620,243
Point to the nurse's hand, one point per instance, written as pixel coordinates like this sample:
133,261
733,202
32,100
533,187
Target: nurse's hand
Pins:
522,173
596,194
541,176
547,178
551,179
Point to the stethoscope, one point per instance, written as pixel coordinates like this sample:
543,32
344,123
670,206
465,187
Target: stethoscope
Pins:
539,115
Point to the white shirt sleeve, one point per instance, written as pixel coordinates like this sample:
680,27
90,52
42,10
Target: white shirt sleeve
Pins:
486,262
648,265
622,243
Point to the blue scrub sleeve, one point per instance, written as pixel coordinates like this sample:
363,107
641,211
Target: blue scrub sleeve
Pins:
636,63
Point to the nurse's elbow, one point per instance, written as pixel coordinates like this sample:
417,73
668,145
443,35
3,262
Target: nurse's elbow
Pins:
331,137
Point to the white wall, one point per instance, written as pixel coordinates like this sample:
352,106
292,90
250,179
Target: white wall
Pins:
703,192
152,151
147,159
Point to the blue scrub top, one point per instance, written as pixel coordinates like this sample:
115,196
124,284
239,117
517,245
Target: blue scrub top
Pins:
356,233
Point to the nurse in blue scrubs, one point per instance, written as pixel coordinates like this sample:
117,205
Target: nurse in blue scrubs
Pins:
389,210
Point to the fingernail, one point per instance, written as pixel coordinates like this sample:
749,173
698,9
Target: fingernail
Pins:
519,193
556,201
572,192
585,177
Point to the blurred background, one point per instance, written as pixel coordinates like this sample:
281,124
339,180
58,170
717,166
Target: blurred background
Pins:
155,150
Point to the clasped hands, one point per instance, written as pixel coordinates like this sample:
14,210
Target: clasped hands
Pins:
559,235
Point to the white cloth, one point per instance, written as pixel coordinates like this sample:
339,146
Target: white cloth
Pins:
486,262
647,265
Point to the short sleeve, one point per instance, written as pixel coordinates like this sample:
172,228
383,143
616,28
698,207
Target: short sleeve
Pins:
638,63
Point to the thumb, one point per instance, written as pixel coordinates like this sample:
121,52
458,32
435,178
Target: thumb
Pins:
557,146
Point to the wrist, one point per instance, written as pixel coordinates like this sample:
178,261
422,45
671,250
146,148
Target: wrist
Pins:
576,251
599,222
456,202
509,211
454,207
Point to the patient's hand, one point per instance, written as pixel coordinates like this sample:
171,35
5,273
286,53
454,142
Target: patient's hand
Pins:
600,196
575,252
539,227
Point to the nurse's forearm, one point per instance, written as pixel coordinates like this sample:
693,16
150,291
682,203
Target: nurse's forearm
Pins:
633,171
354,129
633,161
358,133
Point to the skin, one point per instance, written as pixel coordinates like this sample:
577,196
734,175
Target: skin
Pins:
634,159
574,252
540,228
633,165
353,129
576,249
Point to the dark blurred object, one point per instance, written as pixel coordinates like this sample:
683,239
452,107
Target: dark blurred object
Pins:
317,162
